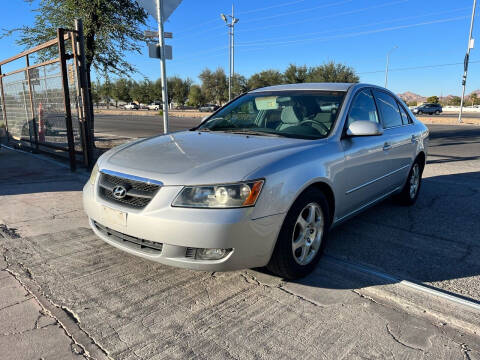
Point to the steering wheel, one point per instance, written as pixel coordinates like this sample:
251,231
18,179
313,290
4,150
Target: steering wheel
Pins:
304,122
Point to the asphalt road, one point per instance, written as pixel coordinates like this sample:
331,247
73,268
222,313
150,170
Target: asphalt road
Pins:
132,125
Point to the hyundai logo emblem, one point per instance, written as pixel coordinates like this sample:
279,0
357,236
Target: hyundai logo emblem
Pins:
119,192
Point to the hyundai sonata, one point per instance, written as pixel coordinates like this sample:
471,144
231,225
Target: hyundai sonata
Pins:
261,181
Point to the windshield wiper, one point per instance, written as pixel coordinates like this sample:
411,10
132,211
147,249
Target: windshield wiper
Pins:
252,132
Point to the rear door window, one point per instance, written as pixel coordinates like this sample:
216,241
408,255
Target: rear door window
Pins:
405,118
389,111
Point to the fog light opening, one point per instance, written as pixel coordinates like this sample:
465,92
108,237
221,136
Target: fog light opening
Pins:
211,254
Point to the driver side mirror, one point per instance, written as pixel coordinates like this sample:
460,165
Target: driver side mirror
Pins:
364,128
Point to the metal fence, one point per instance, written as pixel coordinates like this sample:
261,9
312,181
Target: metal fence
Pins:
43,103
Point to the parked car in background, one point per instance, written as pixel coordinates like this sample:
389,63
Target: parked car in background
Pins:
262,181
428,109
154,106
131,106
208,108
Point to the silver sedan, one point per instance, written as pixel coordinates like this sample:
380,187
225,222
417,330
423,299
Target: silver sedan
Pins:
261,181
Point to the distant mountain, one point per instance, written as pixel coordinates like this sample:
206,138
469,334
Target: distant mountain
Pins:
409,96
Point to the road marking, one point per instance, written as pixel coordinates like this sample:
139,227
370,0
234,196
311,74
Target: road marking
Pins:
411,284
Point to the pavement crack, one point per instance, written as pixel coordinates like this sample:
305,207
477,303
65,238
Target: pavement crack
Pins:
9,232
369,298
16,303
47,312
400,342
253,280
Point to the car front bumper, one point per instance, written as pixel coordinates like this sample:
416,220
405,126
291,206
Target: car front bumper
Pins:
179,230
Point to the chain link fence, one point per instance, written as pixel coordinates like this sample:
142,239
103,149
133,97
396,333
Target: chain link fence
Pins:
41,104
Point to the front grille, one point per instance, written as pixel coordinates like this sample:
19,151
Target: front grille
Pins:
132,242
138,194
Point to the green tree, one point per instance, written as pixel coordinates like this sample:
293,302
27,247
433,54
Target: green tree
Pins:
214,85
112,28
412,103
455,101
105,91
121,90
332,72
295,74
474,99
195,96
433,99
179,89
142,92
265,78
239,85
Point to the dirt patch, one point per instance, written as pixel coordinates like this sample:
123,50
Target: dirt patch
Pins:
447,120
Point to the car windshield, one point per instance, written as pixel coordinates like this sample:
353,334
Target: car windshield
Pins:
298,114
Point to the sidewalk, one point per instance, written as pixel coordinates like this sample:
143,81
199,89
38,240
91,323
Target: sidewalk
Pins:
27,329
31,326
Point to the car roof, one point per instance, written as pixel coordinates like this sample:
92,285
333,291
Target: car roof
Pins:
307,86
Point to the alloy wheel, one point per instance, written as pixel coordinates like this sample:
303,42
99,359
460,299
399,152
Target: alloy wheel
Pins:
414,180
307,234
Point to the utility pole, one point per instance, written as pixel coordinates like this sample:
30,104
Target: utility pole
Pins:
388,61
467,57
161,39
231,47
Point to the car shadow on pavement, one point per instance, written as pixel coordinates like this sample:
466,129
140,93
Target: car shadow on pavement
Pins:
22,173
435,242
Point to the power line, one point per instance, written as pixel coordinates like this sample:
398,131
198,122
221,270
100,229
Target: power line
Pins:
400,27
271,7
267,42
359,26
304,10
241,13
279,15
415,67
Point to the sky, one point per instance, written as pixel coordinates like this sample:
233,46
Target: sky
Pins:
431,36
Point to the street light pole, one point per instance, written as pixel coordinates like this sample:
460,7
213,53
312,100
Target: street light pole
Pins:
231,47
163,70
388,61
467,56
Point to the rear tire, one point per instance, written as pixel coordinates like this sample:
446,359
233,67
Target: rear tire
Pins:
411,189
302,237
437,112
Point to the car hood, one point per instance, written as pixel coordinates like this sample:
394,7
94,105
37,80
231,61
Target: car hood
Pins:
192,157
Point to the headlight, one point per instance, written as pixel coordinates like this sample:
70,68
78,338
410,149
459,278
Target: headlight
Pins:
94,174
220,196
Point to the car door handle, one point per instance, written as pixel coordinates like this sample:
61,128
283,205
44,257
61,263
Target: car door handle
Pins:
387,146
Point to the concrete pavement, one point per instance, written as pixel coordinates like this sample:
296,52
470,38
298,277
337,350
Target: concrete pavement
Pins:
120,306
26,324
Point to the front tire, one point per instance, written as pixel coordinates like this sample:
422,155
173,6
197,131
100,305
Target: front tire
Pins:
411,189
437,112
302,237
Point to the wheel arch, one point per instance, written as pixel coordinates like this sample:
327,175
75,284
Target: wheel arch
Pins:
327,190
421,158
